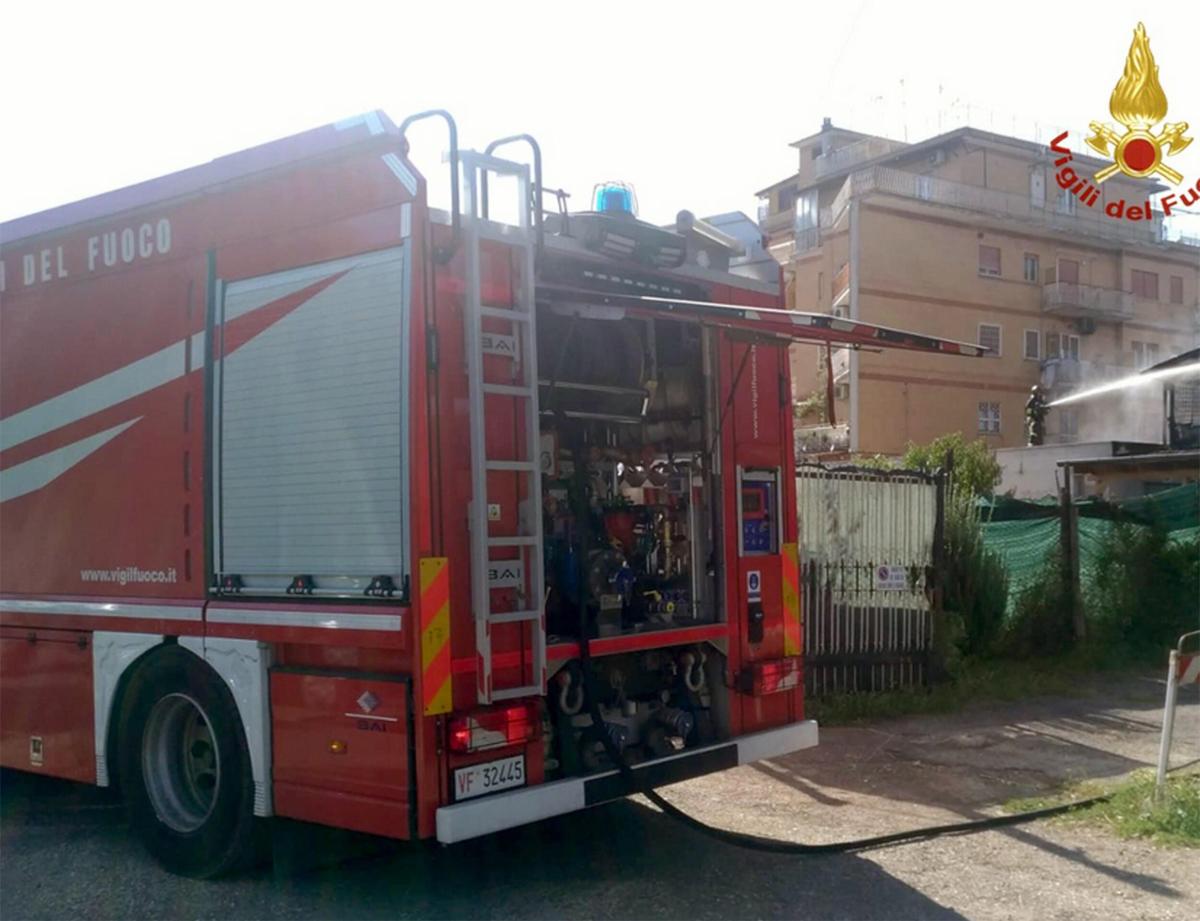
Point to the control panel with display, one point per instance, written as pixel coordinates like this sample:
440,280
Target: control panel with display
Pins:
759,534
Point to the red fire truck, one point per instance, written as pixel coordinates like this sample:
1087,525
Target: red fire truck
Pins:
320,503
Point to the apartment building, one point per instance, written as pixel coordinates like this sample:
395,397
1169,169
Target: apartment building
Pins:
968,235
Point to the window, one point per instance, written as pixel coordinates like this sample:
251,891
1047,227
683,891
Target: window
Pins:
1068,422
1176,289
1145,354
1068,271
989,418
989,338
1078,485
841,391
1033,342
786,198
1066,202
1031,267
924,188
1062,345
989,260
1145,284
820,285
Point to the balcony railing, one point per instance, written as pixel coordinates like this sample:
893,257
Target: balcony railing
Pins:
1066,299
852,155
822,439
841,282
779,221
1084,221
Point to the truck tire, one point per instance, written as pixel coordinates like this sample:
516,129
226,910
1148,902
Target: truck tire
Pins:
185,767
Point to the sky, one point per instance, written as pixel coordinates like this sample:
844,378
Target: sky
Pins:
693,103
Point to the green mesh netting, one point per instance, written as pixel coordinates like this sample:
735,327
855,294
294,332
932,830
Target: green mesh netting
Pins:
1026,535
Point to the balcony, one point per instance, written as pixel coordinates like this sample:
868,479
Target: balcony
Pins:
850,156
822,439
1066,299
840,362
1083,221
840,285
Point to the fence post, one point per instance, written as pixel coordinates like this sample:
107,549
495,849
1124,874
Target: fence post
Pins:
1070,552
1168,723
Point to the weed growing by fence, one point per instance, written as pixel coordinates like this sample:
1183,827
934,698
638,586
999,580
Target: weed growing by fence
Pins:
976,583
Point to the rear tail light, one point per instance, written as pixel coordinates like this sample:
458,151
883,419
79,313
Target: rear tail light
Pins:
760,678
484,729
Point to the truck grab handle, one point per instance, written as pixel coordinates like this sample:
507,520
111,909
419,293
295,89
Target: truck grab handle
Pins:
445,253
535,204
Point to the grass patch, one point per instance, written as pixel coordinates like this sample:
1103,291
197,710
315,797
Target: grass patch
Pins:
1134,811
977,681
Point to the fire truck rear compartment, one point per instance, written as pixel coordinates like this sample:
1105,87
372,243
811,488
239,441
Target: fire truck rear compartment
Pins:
626,505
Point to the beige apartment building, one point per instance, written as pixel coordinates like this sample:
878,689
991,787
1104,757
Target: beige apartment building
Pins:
968,235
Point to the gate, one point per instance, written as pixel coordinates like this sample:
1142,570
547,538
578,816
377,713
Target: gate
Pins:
870,555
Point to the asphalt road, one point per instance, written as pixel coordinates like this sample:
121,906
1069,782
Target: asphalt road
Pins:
65,851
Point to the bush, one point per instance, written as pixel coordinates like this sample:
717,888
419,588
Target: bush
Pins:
1041,622
976,470
1144,591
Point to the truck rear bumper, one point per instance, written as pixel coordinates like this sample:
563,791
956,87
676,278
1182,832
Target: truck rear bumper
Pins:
471,819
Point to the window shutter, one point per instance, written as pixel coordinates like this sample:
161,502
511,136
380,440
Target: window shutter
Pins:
1032,343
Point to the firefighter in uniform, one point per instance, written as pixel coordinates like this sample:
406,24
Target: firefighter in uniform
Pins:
1035,416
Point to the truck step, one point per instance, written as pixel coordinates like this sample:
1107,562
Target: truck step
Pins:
532,690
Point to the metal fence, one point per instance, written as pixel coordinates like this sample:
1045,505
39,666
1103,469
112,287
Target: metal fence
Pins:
870,556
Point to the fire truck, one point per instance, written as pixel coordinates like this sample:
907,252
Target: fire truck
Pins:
319,502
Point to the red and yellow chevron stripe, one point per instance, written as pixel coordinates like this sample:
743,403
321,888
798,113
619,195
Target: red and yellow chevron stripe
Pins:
791,599
435,635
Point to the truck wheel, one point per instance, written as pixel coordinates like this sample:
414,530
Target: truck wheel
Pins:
185,767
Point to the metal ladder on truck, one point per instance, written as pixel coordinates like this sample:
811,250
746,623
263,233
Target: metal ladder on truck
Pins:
521,388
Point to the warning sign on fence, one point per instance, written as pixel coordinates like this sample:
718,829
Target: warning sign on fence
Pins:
891,578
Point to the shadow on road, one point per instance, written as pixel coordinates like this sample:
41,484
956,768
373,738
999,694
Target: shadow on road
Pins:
623,860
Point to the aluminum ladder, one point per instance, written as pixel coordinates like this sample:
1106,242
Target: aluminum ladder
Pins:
521,387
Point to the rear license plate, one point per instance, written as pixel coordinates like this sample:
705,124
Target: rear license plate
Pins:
489,777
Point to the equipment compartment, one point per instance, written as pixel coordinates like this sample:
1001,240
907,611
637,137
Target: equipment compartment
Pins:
627,476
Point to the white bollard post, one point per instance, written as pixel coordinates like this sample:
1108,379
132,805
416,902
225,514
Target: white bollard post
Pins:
1168,726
